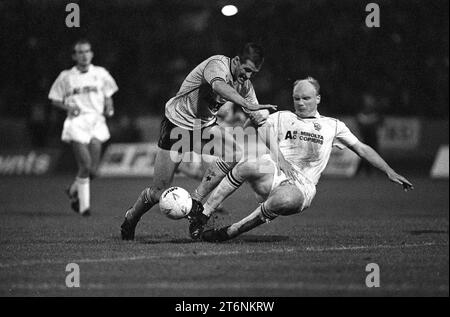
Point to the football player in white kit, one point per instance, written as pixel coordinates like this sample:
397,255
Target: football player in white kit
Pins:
285,180
85,93
190,115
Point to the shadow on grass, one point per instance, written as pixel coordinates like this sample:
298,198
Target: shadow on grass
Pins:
152,239
163,239
253,238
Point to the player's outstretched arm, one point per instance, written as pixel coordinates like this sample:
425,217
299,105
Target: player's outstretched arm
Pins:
369,154
230,94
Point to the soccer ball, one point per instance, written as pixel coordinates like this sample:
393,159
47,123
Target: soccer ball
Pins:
175,203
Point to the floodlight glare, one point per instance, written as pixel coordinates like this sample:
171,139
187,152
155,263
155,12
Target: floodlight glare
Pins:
229,10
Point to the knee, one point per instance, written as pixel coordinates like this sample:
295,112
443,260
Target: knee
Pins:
292,205
241,167
286,201
255,169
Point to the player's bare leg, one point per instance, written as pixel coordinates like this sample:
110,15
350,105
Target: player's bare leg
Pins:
166,164
191,171
80,189
95,149
284,200
192,165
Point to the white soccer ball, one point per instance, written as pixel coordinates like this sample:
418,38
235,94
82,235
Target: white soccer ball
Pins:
175,203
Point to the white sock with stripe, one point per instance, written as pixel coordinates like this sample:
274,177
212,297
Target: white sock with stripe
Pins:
226,187
213,176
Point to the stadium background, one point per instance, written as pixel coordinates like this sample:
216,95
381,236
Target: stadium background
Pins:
149,46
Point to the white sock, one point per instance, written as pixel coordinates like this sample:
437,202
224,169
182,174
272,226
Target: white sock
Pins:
83,193
226,187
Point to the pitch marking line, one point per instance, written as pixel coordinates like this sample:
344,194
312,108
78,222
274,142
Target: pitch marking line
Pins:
176,255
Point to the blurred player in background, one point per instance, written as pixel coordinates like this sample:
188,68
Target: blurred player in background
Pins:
285,180
85,93
204,91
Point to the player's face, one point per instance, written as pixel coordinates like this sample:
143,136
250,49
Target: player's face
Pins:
244,71
83,54
305,99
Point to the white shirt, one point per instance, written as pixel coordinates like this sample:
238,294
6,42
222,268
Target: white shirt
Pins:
86,90
307,143
196,99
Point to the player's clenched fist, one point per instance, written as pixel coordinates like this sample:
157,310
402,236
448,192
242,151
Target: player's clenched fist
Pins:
73,111
109,108
109,111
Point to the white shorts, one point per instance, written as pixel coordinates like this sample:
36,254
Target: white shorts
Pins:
306,187
84,128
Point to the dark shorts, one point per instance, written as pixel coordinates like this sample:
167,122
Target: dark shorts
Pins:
189,143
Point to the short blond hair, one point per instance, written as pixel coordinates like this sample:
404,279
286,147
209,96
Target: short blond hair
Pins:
310,80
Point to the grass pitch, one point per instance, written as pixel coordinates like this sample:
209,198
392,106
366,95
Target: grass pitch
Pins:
322,252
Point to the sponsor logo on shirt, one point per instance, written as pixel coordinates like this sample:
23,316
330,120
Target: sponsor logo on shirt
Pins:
83,90
304,136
